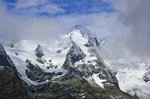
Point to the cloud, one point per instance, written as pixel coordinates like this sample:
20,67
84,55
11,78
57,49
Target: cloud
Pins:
35,7
135,14
8,26
129,29
20,27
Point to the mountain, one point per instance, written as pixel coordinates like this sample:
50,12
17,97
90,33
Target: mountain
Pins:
69,68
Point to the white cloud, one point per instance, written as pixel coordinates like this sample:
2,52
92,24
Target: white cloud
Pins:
131,26
135,14
8,24
34,7
15,27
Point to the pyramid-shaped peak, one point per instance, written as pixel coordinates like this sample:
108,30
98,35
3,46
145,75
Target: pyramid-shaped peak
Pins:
80,29
76,27
38,52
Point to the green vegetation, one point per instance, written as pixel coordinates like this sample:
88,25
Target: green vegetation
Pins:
10,85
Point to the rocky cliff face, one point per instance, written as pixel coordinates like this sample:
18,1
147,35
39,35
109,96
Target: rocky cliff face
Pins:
4,58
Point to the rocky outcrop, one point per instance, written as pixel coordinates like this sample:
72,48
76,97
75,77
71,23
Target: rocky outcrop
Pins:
147,75
4,58
37,74
75,54
38,52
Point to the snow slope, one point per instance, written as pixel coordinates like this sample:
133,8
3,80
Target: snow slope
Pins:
25,50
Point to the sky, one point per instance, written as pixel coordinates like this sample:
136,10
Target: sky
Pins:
124,24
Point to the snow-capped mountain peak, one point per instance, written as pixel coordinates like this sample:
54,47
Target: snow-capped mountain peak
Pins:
78,32
81,29
81,37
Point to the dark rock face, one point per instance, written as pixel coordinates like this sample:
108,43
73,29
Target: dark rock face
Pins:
73,72
11,87
75,53
147,77
95,41
4,58
37,74
38,52
42,61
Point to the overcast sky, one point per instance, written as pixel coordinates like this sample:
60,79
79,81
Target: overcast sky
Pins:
125,23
